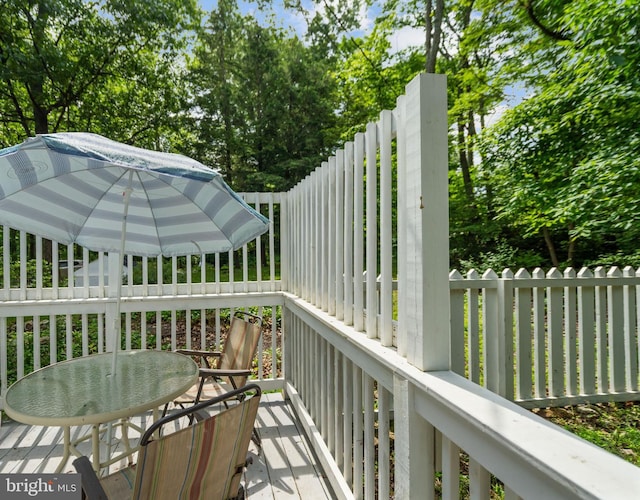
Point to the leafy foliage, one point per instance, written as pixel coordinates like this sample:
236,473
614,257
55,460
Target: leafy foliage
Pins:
552,182
612,426
566,159
262,102
63,63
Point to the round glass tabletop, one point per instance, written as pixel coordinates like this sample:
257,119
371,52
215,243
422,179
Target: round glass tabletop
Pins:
84,391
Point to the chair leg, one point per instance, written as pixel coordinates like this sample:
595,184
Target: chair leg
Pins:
255,437
240,495
164,410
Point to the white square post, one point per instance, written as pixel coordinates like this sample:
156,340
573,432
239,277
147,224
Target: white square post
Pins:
423,271
424,241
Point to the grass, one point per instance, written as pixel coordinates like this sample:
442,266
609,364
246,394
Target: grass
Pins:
614,427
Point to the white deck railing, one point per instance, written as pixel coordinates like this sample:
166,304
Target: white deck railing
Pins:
382,427
253,268
387,413
43,323
378,392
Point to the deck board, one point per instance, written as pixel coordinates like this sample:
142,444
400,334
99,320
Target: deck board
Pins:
297,470
285,467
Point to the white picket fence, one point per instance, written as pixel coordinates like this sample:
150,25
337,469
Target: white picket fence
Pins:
548,339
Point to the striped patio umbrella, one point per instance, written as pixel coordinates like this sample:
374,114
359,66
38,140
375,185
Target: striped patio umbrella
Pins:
82,188
108,196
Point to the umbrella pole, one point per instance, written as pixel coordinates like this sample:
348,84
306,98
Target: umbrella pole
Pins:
117,327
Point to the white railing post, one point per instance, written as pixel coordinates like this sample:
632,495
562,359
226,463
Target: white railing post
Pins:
491,334
6,264
637,340
23,266
601,332
414,445
112,310
323,300
39,259
332,208
339,249
555,325
371,244
425,246
315,233
402,183
524,356
586,335
473,328
347,226
570,335
458,363
386,273
3,357
358,232
539,344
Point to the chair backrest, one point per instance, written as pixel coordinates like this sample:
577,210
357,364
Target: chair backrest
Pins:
240,345
204,460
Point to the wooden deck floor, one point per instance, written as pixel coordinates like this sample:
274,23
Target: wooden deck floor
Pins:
283,468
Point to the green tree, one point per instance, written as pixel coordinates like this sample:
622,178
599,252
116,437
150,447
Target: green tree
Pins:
215,82
565,162
63,63
470,57
263,102
463,41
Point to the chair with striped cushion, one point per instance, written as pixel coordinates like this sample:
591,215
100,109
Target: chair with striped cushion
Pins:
203,460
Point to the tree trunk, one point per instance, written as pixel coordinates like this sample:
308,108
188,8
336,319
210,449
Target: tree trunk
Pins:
550,246
572,247
434,32
464,160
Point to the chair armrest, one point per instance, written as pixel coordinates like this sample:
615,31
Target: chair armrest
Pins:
206,354
204,358
215,372
89,480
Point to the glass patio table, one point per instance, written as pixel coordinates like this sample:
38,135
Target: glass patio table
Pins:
83,391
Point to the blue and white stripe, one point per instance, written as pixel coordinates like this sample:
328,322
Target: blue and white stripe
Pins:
70,187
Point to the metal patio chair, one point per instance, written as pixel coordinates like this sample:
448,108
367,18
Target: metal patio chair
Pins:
226,370
229,369
203,460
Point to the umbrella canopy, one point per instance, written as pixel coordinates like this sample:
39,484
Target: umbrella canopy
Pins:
70,187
